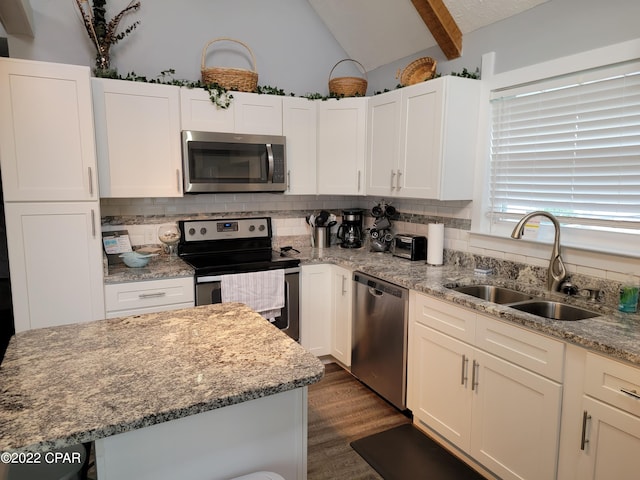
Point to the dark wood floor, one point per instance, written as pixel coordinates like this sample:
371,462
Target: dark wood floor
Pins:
341,409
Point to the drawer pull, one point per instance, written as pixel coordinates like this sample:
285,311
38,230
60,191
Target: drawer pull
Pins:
631,393
152,295
584,440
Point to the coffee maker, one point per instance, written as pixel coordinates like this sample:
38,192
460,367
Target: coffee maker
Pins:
350,231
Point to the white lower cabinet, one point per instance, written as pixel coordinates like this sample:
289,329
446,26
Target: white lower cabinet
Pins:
325,311
315,308
55,258
601,427
135,298
497,413
341,314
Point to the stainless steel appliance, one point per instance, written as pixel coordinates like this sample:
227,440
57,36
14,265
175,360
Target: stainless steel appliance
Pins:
379,340
350,231
229,162
238,245
409,246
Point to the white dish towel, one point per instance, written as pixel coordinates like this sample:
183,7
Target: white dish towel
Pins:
262,291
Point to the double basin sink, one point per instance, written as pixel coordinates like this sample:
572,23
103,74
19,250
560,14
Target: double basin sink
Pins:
526,303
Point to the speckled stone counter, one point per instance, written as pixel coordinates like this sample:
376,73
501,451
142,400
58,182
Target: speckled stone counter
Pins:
158,268
77,383
613,333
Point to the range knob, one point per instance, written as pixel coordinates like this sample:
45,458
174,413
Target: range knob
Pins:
261,228
192,231
203,231
252,228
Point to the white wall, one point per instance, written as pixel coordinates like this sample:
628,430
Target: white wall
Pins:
554,29
294,50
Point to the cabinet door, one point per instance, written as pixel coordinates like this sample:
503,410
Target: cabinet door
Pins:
341,316
197,112
55,258
421,133
383,124
299,125
439,384
611,443
515,413
315,308
138,139
47,145
342,146
257,114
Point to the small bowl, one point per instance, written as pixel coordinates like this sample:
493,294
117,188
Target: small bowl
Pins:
136,260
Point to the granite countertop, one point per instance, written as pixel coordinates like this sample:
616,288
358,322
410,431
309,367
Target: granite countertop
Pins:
71,384
613,333
160,267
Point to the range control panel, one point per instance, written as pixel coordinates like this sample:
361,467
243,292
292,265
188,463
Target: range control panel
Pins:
226,228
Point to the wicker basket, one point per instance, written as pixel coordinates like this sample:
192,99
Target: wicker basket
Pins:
348,86
237,79
418,71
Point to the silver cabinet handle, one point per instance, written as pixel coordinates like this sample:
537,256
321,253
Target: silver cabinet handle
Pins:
465,364
474,375
288,180
358,180
178,182
584,440
393,176
93,223
398,180
152,295
344,281
90,181
631,393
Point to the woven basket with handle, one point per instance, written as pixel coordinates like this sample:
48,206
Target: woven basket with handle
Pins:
237,79
418,71
348,86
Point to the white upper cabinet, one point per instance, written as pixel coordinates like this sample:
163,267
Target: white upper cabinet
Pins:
248,113
422,140
257,114
47,146
342,133
299,124
138,139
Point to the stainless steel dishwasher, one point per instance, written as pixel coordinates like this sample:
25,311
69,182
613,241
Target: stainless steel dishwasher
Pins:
379,340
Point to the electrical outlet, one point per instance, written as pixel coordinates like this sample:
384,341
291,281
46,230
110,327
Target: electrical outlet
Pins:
150,235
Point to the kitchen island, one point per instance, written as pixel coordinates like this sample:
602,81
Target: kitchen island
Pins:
207,392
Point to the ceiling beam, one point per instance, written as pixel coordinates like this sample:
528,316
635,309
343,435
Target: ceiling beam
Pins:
442,26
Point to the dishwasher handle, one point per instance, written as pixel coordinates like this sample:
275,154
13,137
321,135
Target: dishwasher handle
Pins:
379,287
375,292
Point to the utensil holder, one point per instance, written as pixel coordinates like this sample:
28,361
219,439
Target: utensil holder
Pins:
321,237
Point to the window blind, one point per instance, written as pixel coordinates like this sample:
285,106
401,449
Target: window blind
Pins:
570,146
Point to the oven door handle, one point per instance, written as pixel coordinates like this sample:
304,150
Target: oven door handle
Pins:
217,278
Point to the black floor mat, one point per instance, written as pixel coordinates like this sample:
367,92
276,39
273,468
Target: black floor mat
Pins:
405,453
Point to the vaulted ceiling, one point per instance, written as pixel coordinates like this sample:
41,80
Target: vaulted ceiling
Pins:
378,32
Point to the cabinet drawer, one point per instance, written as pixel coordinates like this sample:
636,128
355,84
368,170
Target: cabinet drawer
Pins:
443,316
613,382
528,349
154,293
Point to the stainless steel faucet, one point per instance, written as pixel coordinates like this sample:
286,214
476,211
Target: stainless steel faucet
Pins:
557,271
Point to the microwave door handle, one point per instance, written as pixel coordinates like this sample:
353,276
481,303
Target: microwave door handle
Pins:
270,164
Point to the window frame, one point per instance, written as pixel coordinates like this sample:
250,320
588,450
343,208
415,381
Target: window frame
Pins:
580,245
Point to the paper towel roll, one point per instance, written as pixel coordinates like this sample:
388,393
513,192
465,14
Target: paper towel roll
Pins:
435,243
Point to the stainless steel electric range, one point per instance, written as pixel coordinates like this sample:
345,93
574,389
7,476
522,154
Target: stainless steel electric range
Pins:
238,245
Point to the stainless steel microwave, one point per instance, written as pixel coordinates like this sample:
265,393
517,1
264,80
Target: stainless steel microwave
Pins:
229,162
